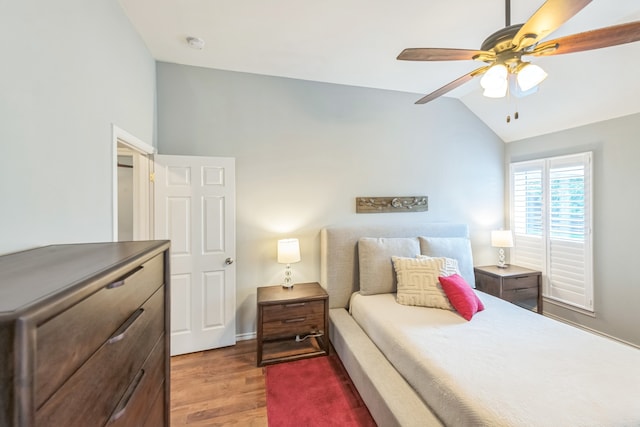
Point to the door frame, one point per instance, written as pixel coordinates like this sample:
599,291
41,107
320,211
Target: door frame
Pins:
142,181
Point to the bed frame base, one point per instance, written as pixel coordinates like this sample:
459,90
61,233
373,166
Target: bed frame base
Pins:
390,400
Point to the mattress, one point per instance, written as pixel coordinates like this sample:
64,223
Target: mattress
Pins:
506,367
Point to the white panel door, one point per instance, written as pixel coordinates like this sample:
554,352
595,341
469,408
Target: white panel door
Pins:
195,209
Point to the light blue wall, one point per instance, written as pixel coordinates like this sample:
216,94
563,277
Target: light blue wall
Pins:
616,147
305,150
70,68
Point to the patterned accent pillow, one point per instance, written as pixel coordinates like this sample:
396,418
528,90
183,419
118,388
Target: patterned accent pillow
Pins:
418,282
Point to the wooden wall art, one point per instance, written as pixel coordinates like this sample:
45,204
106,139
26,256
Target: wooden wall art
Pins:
391,204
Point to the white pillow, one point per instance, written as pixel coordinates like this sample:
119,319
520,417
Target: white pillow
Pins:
418,282
374,258
458,248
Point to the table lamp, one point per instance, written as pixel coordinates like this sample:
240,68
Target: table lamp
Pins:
501,239
288,252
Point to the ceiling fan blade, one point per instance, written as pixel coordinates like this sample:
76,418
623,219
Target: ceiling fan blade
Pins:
551,15
442,54
451,86
589,40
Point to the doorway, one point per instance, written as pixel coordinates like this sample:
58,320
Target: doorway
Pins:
132,191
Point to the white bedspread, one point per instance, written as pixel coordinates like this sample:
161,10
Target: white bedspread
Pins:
507,366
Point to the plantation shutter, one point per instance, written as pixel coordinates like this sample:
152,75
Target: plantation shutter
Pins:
569,275
551,220
527,215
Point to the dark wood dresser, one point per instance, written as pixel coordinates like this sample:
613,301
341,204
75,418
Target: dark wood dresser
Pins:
84,335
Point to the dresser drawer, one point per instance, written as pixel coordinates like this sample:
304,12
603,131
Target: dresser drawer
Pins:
156,415
519,282
90,395
292,310
66,341
137,401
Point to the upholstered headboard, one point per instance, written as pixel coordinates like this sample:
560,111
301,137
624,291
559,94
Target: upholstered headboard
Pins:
339,273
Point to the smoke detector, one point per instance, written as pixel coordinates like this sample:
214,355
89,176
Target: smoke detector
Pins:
195,42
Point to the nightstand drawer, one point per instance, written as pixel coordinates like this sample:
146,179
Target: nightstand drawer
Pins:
520,282
292,310
520,294
303,324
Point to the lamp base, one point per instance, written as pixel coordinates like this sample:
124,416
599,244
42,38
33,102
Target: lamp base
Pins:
288,281
501,263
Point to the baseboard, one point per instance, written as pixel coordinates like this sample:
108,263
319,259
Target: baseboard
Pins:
586,328
247,336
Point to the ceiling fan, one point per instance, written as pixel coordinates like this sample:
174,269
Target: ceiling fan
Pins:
504,49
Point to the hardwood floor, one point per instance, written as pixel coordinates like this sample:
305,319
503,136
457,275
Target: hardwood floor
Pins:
221,387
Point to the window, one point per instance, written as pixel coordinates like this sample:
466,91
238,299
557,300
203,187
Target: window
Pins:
551,221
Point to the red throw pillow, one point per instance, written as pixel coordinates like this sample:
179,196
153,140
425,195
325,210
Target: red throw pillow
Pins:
462,297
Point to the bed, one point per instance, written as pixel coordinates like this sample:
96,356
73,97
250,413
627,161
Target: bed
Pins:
419,366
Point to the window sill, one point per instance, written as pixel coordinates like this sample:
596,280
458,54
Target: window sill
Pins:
557,303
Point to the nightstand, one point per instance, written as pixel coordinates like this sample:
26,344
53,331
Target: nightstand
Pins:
286,317
518,285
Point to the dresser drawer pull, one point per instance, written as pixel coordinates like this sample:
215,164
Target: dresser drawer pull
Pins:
122,330
521,289
124,402
296,320
296,304
123,279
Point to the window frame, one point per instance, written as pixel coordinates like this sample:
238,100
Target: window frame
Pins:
565,259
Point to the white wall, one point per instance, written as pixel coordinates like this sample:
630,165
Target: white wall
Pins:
616,211
304,151
70,68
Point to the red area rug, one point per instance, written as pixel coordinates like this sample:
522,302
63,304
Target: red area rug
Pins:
313,392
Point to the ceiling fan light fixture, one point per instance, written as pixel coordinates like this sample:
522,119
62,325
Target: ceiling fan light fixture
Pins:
494,81
496,92
530,76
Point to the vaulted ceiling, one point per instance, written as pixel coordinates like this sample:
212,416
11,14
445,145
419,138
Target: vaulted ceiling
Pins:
355,42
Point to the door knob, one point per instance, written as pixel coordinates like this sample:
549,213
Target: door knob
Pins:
228,261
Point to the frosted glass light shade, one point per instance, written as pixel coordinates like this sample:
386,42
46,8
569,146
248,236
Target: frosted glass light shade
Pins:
496,92
530,76
495,77
494,81
288,251
502,239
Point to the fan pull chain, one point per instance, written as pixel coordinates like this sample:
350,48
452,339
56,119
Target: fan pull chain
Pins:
516,115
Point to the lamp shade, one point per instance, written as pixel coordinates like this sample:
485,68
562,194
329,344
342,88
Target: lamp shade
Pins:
494,81
496,92
288,251
530,76
502,239
494,77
